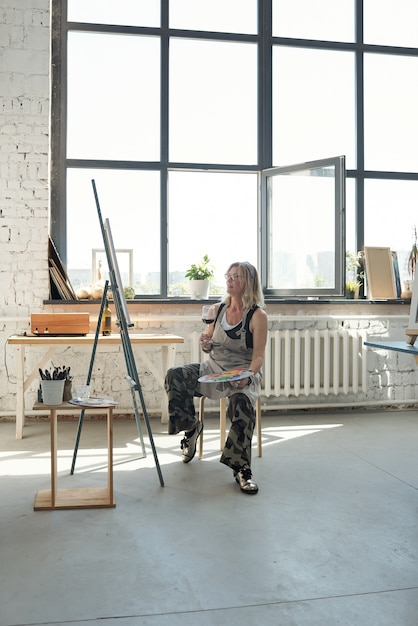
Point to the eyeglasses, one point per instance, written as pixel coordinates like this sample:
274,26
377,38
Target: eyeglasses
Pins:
232,276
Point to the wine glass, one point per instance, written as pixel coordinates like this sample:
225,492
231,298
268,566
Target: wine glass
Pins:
208,314
208,317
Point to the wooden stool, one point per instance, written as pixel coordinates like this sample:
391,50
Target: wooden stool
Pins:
222,424
78,498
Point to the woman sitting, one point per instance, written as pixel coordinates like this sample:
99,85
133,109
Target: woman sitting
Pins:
236,339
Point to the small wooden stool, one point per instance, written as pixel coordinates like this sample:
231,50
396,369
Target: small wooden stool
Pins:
77,498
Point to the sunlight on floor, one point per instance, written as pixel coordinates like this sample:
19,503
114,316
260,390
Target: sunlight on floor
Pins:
129,457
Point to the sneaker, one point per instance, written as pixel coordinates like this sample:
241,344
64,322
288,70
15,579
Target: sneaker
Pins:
244,479
188,444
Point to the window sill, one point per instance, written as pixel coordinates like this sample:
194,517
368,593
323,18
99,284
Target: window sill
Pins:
188,301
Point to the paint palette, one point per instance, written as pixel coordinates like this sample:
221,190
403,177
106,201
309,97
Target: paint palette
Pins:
226,377
94,402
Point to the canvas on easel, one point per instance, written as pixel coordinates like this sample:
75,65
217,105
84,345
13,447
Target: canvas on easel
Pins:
111,252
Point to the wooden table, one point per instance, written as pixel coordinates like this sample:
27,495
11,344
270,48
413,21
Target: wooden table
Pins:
77,498
167,343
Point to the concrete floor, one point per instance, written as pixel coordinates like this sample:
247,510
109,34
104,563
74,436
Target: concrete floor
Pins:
331,538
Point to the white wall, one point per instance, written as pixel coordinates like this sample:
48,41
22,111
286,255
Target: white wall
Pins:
24,227
24,155
24,98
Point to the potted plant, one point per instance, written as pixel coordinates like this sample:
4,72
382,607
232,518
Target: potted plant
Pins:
353,275
200,276
352,289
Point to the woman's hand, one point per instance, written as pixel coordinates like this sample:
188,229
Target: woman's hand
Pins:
206,342
240,384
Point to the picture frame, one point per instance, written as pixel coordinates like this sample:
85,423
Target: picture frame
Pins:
380,273
99,253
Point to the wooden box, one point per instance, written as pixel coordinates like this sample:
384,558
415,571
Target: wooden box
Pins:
60,323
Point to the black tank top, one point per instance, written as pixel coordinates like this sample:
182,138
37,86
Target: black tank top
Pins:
235,333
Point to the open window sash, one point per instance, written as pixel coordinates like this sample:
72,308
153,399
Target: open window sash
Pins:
303,226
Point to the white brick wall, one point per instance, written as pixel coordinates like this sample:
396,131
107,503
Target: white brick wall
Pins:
24,216
24,143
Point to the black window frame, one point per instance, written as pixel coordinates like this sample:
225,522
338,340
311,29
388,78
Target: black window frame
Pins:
265,42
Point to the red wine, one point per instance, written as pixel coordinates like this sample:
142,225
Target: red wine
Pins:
207,321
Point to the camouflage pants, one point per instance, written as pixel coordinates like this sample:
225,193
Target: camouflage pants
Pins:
181,387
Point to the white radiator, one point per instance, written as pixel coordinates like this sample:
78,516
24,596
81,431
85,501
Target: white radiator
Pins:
305,362
309,362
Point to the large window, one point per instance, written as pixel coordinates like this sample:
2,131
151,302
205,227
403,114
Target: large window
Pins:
391,139
113,108
313,105
130,199
210,212
213,102
176,107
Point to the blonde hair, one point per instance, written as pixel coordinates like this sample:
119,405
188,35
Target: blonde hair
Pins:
253,294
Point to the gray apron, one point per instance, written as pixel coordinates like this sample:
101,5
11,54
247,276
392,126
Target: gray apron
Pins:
226,354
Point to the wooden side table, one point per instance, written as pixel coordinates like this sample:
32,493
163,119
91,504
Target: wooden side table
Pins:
77,498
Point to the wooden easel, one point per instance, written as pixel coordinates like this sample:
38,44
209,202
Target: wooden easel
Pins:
124,323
